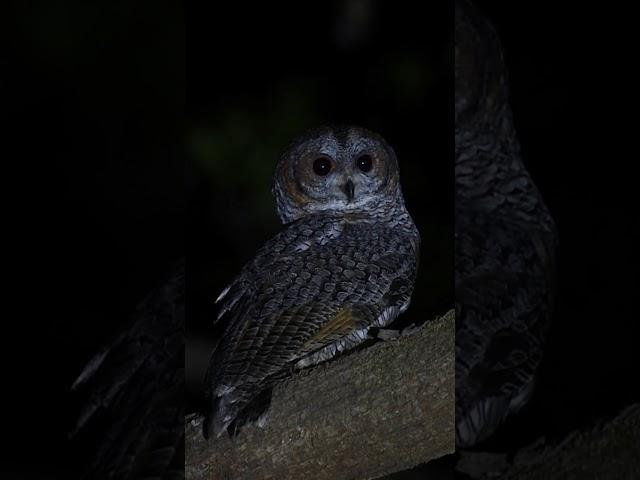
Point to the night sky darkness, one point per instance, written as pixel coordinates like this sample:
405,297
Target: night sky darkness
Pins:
95,93
110,103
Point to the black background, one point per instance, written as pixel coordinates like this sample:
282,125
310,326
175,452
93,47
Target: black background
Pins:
95,182
103,120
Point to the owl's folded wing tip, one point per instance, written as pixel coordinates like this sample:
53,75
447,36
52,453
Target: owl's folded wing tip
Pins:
223,294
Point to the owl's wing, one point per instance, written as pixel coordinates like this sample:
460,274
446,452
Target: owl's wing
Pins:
131,424
504,292
276,251
312,292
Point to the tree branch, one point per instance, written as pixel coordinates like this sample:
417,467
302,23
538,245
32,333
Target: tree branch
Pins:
377,411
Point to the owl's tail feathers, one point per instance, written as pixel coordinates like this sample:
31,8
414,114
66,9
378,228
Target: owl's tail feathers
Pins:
223,411
235,407
215,424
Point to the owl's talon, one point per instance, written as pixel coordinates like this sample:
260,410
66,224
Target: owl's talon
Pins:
386,334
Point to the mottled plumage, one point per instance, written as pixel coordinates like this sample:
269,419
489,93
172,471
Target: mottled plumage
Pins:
505,243
345,262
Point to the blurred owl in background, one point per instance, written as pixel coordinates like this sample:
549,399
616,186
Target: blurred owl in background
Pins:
505,242
131,417
344,265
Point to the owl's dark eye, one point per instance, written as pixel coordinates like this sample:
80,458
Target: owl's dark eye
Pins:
322,166
364,163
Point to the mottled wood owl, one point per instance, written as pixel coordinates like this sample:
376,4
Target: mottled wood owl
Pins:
345,263
505,242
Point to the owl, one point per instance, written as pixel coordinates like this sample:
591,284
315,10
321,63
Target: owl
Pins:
343,266
505,242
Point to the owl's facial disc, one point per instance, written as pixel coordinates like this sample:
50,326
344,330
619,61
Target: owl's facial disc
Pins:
341,180
336,169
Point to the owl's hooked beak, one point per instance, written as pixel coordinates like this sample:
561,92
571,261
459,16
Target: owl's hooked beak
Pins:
349,190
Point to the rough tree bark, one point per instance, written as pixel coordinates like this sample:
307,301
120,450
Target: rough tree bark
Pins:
382,409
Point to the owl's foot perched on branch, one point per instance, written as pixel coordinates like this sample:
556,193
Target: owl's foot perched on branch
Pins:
384,334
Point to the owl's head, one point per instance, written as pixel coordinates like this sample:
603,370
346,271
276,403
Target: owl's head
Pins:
336,170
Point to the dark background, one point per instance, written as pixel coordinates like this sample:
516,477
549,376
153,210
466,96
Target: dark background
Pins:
94,177
102,122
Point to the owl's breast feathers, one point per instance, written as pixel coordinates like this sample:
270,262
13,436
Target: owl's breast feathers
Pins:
312,291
